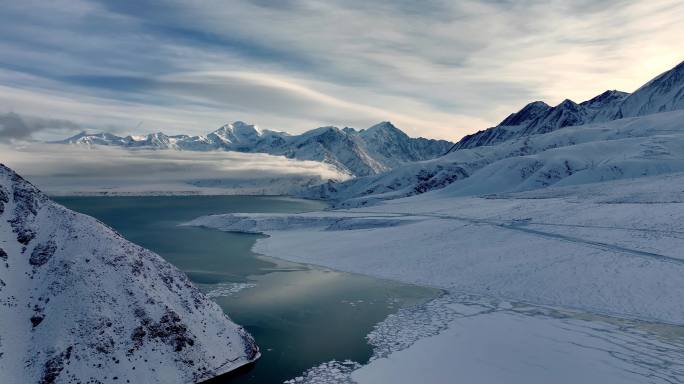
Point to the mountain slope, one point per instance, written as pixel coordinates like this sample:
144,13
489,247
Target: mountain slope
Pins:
662,94
334,146
359,153
82,304
395,147
539,118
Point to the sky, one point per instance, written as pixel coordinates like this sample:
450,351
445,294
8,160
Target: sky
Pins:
438,69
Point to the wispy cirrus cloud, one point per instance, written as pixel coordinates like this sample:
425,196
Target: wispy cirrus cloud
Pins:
435,68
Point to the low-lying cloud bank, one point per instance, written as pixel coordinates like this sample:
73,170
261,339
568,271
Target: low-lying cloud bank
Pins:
14,126
68,170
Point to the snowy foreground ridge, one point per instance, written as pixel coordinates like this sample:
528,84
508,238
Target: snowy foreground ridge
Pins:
81,304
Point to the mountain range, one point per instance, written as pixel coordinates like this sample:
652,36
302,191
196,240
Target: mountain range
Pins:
613,135
356,152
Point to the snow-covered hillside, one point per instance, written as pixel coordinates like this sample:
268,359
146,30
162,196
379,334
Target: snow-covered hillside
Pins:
81,304
662,94
358,153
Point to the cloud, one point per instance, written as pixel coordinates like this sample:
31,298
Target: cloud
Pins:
66,169
436,68
14,126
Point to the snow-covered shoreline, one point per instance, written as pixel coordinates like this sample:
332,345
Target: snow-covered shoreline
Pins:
475,339
599,249
485,340
605,250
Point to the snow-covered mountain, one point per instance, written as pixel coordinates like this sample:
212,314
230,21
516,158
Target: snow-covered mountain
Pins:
81,304
153,140
395,147
341,148
359,153
662,94
529,149
538,118
624,148
84,138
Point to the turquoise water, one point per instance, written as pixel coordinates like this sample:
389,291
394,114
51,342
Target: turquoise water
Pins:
300,315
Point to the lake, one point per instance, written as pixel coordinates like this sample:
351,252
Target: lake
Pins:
300,315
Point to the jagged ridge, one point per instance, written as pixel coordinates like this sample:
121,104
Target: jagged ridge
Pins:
663,93
358,153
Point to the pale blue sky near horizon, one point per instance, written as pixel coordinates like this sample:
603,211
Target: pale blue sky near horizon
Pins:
438,69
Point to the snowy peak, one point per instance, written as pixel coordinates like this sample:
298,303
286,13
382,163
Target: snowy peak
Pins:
530,112
236,134
396,147
604,107
81,304
610,97
384,130
327,131
383,125
334,146
568,104
386,126
153,140
84,138
240,127
565,114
